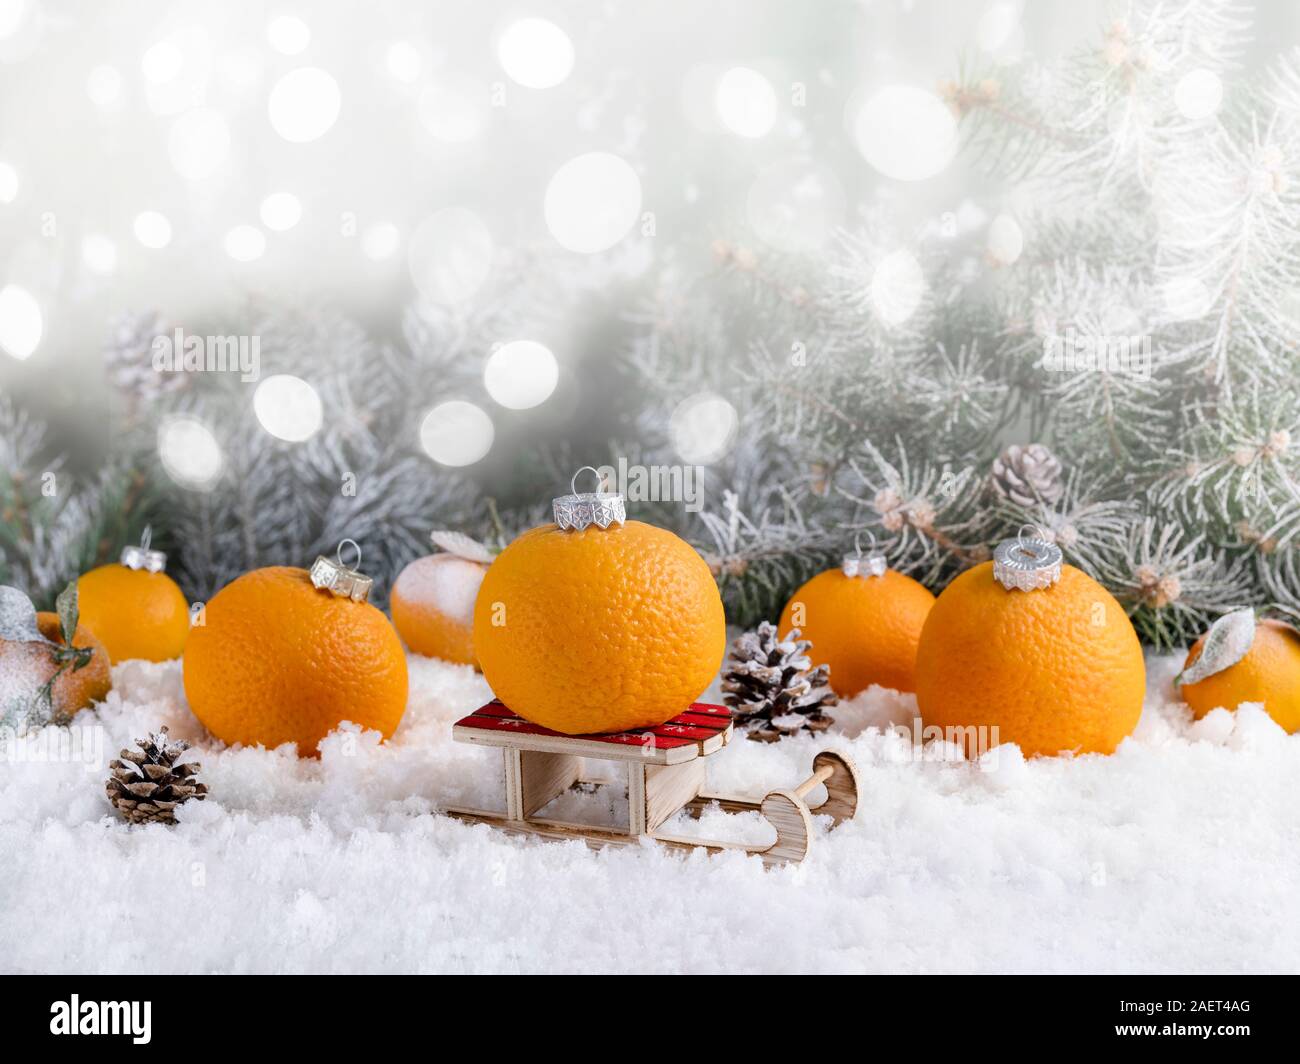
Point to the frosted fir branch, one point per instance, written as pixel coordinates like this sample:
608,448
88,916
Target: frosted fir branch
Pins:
1086,522
1238,462
1173,585
966,401
1229,236
48,539
927,518
758,560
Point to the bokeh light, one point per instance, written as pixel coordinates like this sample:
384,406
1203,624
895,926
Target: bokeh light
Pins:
450,255
104,87
746,102
245,243
288,408
304,104
906,133
1186,298
189,452
12,14
456,433
535,53
199,143
454,111
99,253
521,374
21,324
404,62
592,202
702,428
152,229
897,287
999,32
1006,239
380,241
1198,94
288,35
281,211
162,62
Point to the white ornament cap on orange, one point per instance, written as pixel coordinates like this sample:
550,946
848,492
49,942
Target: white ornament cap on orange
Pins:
579,510
141,557
1027,563
339,579
864,565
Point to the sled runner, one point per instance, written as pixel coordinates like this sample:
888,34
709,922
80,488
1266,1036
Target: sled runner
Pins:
665,774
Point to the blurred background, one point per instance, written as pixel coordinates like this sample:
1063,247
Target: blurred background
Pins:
479,245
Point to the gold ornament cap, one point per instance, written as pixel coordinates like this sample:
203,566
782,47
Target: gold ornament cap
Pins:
141,557
1027,563
864,565
579,510
339,579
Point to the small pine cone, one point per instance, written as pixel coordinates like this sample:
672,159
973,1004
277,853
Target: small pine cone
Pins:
1027,475
128,358
147,785
772,685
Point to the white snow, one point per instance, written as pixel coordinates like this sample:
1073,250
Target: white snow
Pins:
1178,853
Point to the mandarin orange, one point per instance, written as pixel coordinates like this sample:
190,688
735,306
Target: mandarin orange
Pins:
278,661
599,630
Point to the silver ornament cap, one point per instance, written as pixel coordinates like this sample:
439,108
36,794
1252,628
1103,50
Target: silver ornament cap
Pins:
864,565
141,557
1027,563
339,579
579,510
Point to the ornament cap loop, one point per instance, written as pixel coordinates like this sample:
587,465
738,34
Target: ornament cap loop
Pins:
857,564
332,575
141,557
1027,563
580,510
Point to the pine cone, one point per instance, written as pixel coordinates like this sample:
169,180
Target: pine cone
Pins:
147,787
772,685
1027,475
128,357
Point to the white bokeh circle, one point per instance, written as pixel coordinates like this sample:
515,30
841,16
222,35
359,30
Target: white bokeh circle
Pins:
1186,298
535,53
21,323
189,452
280,211
304,104
521,374
288,34
456,110
1006,240
897,287
99,253
288,408
380,241
745,102
199,143
1198,94
906,133
456,433
152,229
703,428
592,202
245,243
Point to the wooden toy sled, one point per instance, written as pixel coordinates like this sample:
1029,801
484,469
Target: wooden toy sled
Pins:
665,774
